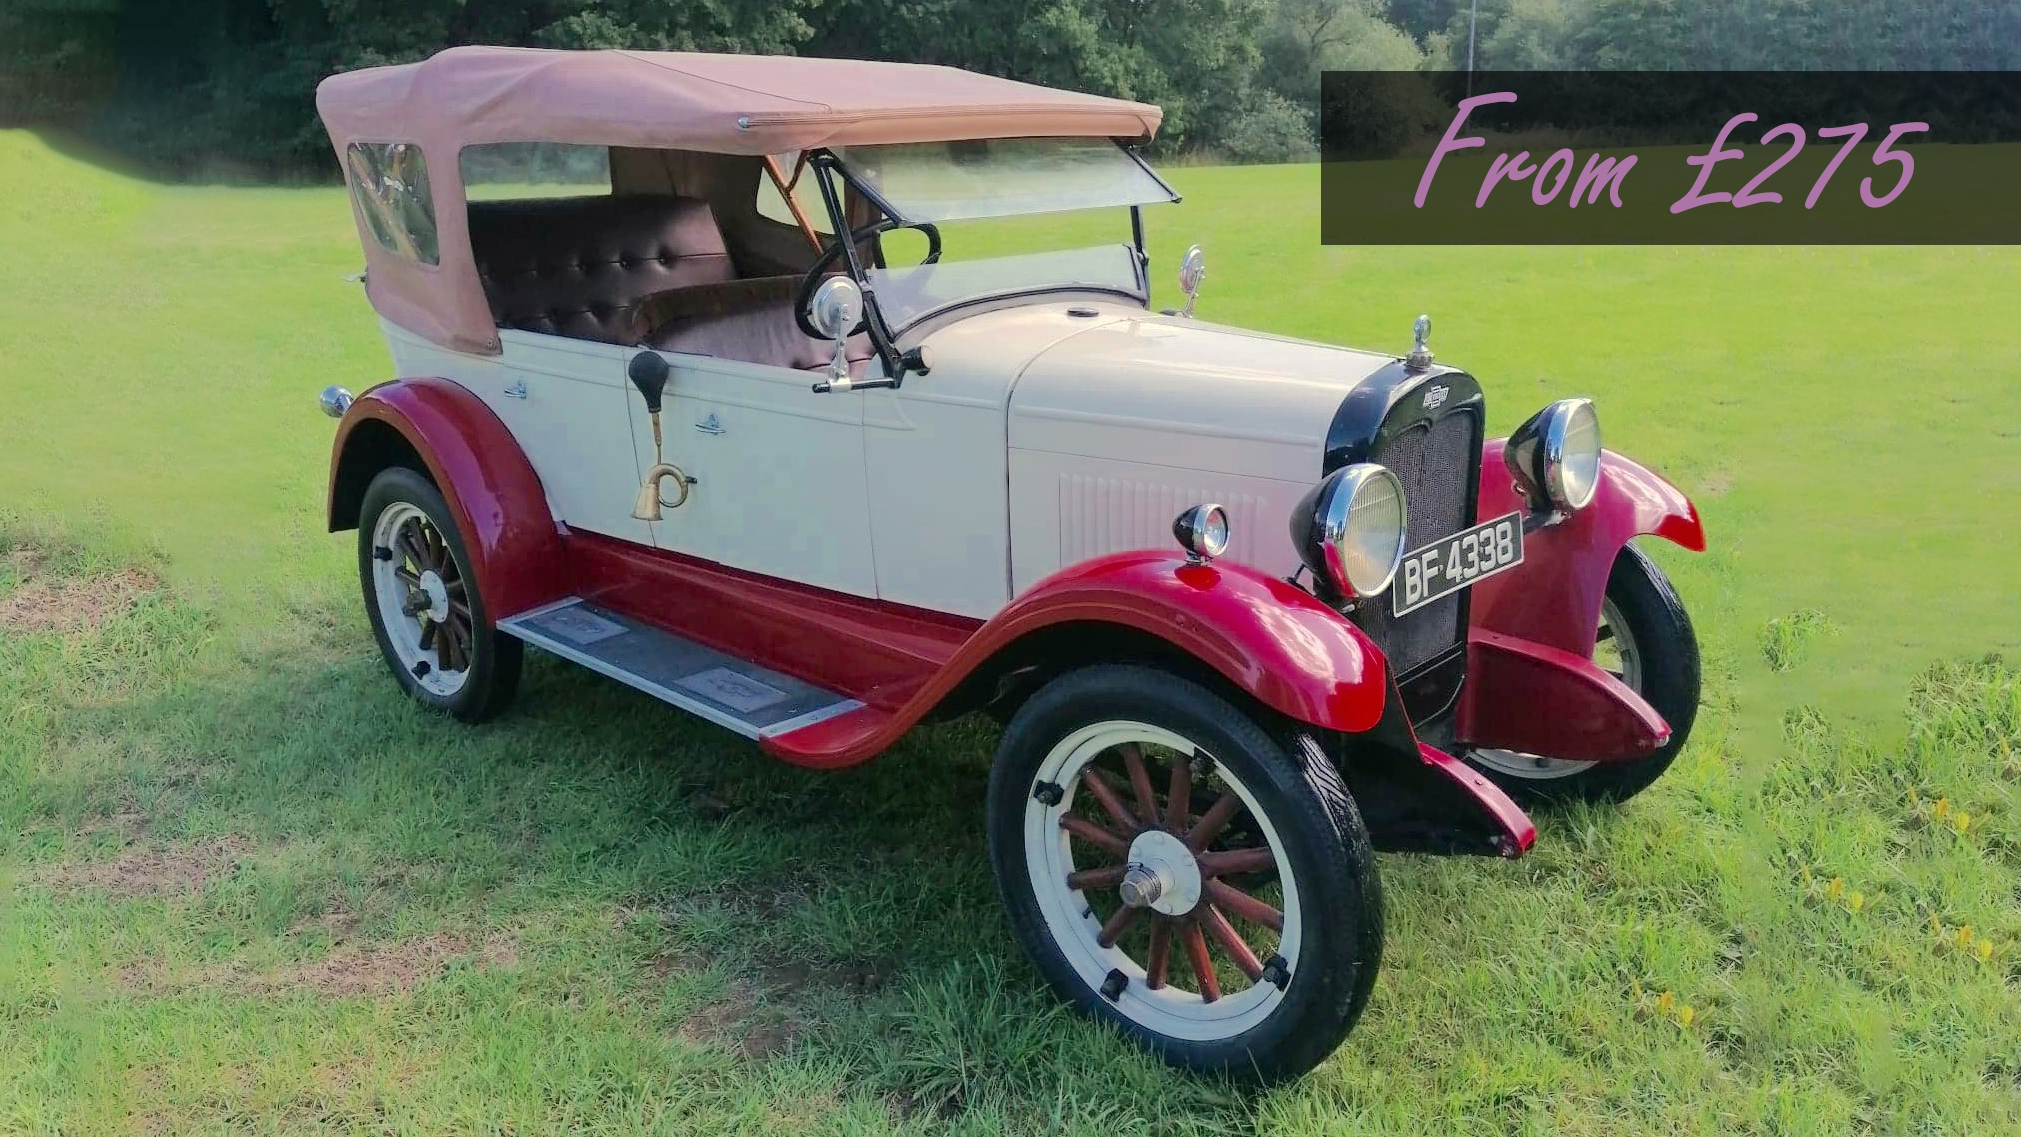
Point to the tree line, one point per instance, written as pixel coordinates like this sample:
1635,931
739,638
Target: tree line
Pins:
203,87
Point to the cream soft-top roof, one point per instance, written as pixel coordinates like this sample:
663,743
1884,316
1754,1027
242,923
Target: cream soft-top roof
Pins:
730,104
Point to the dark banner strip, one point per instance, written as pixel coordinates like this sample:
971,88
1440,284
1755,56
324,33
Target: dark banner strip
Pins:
1729,157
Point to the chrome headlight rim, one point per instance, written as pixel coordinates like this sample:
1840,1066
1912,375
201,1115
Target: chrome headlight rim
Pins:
1550,474
1330,512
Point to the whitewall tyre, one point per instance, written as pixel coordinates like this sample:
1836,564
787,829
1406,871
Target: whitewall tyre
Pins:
1172,868
1645,640
426,610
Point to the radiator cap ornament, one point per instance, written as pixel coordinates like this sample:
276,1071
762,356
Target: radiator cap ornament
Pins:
1420,357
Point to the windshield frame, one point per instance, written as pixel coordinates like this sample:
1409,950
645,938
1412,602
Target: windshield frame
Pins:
865,185
830,169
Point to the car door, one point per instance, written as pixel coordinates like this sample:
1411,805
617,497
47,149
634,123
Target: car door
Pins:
780,483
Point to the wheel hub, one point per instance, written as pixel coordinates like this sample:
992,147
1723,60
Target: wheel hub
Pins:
437,593
1163,875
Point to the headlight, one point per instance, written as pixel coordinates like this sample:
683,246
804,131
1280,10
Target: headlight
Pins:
1555,457
1350,529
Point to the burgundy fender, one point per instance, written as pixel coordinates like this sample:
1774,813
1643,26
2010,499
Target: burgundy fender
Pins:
1272,639
496,497
1539,699
1553,597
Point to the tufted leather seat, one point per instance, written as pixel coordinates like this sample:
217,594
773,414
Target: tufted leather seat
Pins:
578,266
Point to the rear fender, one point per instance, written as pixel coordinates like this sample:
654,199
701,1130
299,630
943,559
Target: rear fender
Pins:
1553,597
492,491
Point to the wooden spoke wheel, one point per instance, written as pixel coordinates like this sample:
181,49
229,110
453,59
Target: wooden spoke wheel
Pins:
423,598
426,612
1170,866
1158,851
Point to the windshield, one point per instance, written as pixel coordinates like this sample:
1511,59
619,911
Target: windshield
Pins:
1003,177
909,294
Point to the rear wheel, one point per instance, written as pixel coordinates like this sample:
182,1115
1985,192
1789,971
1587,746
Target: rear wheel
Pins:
1646,641
425,607
1173,869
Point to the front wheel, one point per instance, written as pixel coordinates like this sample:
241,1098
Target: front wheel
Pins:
426,610
1645,640
1173,869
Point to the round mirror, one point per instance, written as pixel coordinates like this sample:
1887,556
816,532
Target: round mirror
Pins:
836,308
1192,270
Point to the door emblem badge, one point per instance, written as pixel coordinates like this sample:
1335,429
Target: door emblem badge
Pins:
710,425
1435,398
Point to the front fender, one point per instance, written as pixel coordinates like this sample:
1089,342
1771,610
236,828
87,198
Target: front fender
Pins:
1554,596
492,490
1274,640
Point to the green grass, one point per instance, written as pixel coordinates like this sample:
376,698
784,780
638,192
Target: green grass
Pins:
245,887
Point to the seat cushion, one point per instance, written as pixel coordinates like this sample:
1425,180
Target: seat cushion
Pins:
578,266
751,320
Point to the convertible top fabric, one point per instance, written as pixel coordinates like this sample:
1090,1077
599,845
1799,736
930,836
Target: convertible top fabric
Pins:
745,105
727,104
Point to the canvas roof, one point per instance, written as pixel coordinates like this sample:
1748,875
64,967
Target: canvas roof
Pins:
732,104
736,105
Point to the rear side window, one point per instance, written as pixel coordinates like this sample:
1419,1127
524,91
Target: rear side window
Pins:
390,182
495,171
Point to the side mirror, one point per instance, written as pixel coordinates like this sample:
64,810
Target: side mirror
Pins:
1192,270
835,310
648,372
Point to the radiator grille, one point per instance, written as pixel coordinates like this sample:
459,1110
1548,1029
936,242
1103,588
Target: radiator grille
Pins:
1436,462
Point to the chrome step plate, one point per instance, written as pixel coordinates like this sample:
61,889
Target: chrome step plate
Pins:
754,701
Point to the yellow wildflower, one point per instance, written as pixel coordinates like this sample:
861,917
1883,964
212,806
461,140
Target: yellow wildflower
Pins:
1685,1014
1856,901
1942,810
1985,949
1837,886
1965,935
1663,1002
1964,821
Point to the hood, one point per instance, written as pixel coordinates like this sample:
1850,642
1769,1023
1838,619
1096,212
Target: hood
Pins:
1175,392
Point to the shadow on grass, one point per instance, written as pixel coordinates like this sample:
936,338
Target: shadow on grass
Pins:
639,863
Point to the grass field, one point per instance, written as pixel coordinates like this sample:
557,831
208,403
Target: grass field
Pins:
245,888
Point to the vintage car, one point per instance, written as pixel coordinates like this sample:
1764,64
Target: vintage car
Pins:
1250,608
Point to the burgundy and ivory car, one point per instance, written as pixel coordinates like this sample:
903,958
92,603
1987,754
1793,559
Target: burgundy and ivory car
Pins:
1249,607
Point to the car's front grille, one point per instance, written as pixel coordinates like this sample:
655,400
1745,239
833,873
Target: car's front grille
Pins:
1438,462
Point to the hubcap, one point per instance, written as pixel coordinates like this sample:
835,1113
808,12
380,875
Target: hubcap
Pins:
423,601
1168,867
1617,653
1153,863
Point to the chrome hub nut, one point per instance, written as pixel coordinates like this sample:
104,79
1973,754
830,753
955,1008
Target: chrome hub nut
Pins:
1141,886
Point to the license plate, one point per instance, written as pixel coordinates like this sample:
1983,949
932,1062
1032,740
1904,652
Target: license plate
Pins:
1451,563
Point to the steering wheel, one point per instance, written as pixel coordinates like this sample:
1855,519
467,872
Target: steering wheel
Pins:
828,256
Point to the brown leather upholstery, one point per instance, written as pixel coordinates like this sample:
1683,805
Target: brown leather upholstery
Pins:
751,320
578,266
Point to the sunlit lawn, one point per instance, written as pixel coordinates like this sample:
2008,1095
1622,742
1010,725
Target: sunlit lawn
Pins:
243,886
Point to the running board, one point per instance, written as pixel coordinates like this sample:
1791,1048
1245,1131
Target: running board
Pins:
754,701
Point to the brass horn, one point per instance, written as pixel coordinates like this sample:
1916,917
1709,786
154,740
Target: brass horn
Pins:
648,372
